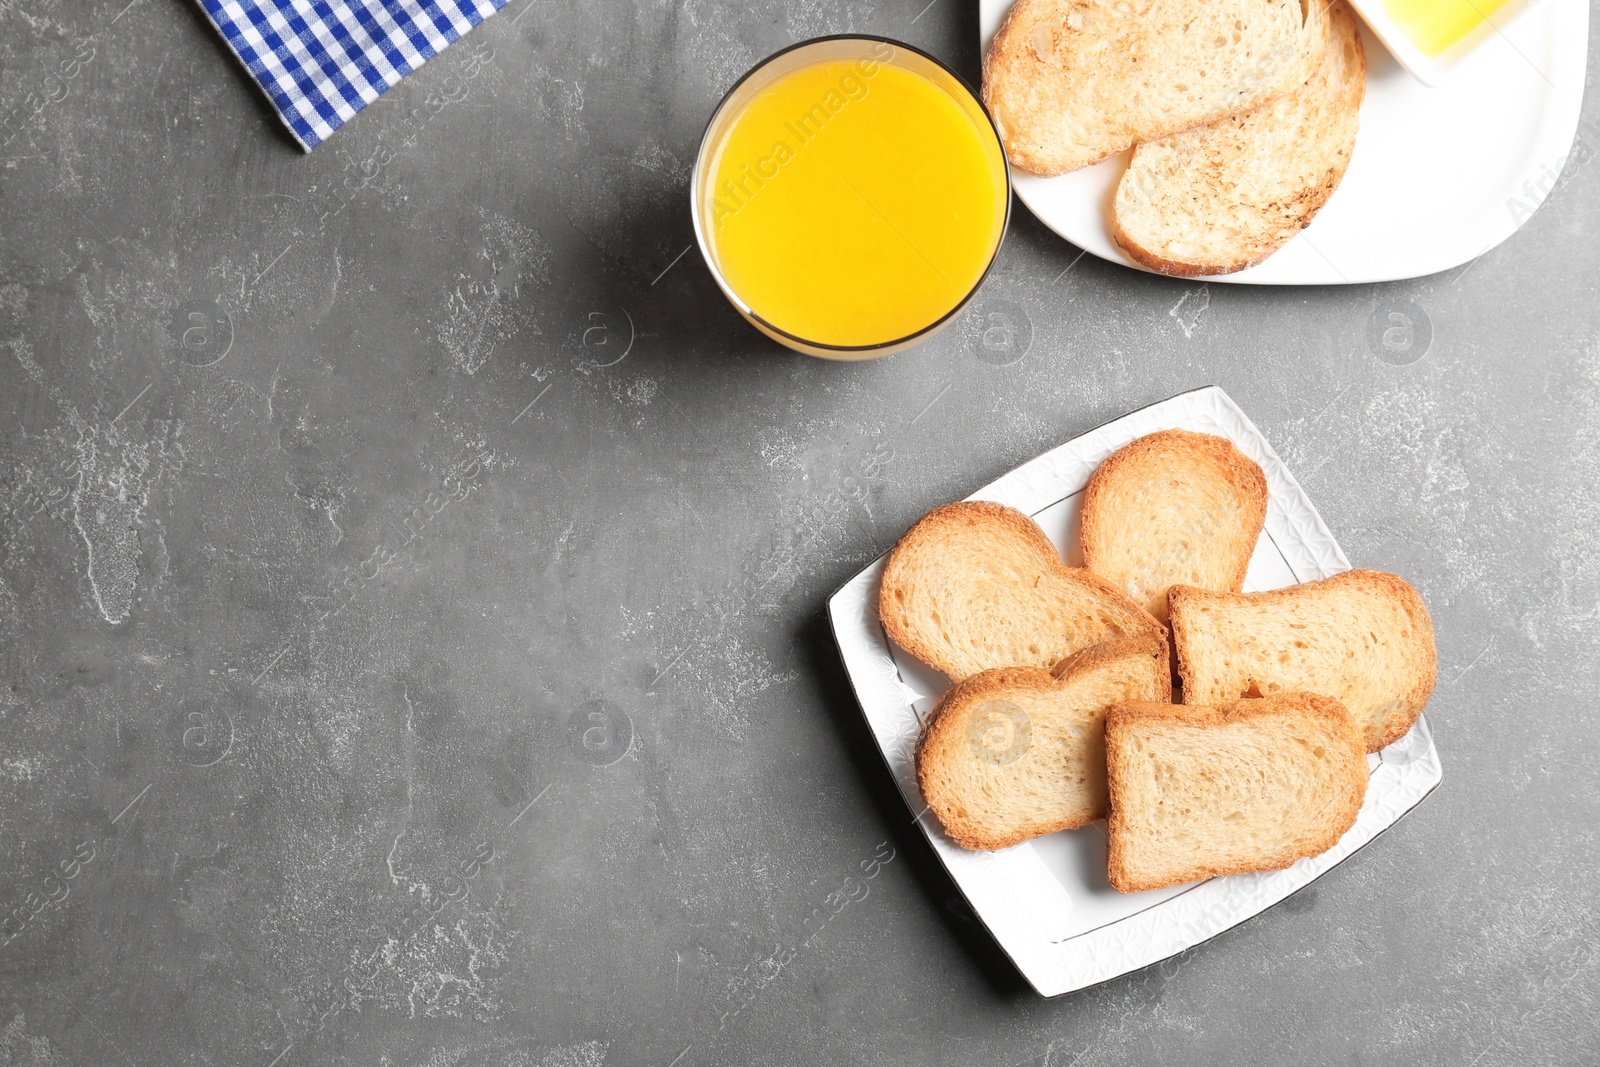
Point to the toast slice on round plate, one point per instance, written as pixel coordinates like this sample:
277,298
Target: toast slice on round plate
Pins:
1223,197
1071,82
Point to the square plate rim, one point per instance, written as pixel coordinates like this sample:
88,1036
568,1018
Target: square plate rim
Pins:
884,755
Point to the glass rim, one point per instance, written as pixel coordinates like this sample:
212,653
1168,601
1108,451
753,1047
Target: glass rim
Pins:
696,182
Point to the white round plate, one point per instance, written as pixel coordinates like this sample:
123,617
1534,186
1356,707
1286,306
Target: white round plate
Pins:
1439,176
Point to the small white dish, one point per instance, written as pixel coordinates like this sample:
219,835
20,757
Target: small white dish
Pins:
1047,901
1431,70
1438,177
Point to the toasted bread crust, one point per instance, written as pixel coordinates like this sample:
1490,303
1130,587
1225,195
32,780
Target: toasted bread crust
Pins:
1154,645
1124,719
1151,646
942,737
1189,633
996,522
1174,450
1174,268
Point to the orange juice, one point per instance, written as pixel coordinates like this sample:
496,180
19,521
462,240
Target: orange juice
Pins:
1434,26
854,202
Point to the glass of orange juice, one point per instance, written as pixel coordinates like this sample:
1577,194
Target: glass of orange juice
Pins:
850,196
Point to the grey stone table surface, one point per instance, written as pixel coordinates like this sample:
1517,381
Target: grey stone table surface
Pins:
412,581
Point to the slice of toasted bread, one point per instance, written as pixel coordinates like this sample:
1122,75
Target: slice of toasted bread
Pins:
975,585
1363,638
1173,506
1223,197
1071,82
1015,752
1253,786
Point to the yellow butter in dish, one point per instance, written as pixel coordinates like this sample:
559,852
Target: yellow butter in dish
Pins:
1431,37
1436,26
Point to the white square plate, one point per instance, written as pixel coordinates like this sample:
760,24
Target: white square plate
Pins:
1047,901
1438,176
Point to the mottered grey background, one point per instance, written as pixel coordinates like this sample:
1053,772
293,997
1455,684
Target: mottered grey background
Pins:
412,572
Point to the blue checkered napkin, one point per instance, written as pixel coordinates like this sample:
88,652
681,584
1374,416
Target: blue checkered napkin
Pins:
321,61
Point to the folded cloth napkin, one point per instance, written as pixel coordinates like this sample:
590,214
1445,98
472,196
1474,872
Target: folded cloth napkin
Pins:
321,61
